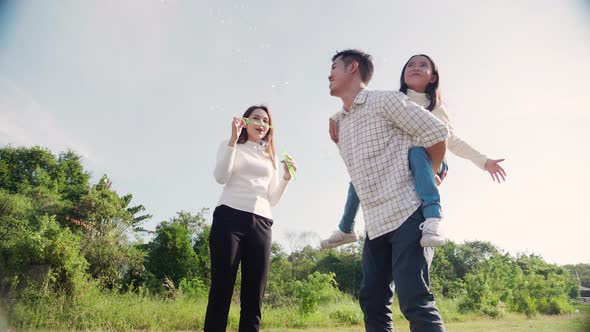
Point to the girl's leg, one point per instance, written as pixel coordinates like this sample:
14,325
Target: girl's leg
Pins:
421,168
345,232
350,209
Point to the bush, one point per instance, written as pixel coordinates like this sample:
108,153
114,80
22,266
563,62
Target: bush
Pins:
346,317
193,288
555,306
317,289
47,244
171,253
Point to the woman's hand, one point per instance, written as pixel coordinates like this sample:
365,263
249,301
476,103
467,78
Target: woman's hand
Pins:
495,170
236,129
288,161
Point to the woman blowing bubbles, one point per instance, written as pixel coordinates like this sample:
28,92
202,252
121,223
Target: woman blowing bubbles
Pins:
241,230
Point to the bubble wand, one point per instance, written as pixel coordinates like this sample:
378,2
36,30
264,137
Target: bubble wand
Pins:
246,121
289,167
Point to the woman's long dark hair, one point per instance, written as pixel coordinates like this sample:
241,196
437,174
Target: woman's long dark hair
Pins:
268,139
432,91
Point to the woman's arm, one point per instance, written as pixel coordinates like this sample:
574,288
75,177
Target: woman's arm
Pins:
277,187
225,162
227,152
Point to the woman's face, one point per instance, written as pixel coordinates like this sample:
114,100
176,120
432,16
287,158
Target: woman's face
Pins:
418,73
258,126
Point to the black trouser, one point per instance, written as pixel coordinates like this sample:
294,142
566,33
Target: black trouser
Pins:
397,259
237,237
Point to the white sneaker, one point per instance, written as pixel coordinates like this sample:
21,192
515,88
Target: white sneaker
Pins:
339,238
431,233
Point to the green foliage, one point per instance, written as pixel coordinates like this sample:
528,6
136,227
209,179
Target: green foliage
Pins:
67,257
47,243
171,253
193,288
57,182
280,271
445,270
111,259
347,268
581,271
346,317
526,284
16,211
318,288
46,199
200,231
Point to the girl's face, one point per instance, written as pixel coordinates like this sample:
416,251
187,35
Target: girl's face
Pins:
259,125
418,73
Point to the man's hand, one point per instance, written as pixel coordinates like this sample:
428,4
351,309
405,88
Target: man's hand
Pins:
439,179
436,153
334,130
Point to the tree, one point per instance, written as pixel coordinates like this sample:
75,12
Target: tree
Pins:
171,254
581,272
346,267
36,171
59,188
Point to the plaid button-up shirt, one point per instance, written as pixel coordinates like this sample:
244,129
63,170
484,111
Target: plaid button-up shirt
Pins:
374,138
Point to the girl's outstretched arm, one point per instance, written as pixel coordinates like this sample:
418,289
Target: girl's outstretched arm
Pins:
493,167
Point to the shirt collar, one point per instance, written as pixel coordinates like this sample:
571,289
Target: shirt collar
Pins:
360,98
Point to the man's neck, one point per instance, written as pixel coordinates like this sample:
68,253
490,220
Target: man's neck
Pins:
349,96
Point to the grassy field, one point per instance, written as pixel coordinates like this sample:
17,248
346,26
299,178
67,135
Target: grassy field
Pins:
517,323
104,312
578,322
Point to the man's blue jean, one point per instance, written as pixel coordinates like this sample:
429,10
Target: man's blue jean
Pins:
421,168
397,261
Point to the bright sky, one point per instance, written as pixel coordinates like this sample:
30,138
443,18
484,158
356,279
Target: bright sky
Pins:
145,91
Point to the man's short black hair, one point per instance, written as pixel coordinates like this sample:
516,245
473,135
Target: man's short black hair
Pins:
364,60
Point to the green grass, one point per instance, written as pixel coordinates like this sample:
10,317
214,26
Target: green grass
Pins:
98,311
578,322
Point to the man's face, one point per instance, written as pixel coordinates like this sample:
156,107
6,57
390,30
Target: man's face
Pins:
340,77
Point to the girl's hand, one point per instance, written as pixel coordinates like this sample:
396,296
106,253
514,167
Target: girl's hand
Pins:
495,170
236,129
334,130
286,173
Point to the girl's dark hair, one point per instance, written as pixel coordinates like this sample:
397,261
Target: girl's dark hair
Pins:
268,139
432,90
